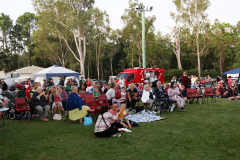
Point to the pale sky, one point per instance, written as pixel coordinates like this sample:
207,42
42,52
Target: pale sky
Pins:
225,10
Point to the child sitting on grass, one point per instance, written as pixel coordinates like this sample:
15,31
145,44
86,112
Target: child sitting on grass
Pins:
184,94
57,104
123,114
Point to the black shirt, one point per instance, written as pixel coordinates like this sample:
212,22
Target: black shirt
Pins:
151,95
61,83
105,90
131,92
50,84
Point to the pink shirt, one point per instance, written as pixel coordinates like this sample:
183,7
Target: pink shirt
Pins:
56,98
171,91
114,114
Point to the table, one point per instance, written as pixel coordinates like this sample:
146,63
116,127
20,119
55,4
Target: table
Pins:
3,110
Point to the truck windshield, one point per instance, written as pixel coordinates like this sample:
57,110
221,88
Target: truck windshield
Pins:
124,75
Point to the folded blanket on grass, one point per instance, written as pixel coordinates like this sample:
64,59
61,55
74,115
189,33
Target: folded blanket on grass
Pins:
144,116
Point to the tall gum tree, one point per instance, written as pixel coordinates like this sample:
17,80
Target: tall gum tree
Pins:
191,13
74,16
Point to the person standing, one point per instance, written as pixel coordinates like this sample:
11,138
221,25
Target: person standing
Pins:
74,82
121,82
61,82
185,80
68,84
4,86
81,84
230,81
89,82
51,83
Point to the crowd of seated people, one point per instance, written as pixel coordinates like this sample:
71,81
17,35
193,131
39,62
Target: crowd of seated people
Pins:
47,97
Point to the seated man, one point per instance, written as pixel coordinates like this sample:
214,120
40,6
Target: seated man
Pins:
161,94
208,84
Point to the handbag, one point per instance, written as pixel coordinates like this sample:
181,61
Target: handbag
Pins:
105,123
88,121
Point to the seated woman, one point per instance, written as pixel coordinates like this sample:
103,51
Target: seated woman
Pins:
147,96
75,105
105,125
96,93
132,95
40,103
173,93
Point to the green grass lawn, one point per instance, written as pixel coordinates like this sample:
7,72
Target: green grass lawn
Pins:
206,131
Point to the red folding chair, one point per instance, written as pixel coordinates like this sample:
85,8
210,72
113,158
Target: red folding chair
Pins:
21,106
103,96
100,102
83,96
208,93
90,102
118,95
192,94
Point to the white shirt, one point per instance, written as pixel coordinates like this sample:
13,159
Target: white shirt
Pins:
145,96
121,83
110,93
103,89
193,80
123,95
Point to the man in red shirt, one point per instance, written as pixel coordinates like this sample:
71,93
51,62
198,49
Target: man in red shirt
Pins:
185,80
89,82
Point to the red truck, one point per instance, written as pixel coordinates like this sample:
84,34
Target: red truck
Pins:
141,75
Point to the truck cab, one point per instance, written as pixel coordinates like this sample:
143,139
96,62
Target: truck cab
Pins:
141,75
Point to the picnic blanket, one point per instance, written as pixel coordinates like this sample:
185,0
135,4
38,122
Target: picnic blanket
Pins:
144,116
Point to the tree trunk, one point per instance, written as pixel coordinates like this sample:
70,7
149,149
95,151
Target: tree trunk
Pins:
220,64
111,59
18,59
29,47
198,57
3,41
132,58
179,59
101,69
88,66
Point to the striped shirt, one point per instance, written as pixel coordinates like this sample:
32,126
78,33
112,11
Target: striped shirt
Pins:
100,125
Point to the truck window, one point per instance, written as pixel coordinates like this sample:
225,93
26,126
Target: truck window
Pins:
124,75
131,77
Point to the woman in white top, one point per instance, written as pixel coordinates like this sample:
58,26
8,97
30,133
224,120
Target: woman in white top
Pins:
147,96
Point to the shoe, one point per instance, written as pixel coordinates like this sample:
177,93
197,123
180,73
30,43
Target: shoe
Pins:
171,109
116,135
154,112
44,119
182,109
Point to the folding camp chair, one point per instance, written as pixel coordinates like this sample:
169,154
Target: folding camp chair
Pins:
192,94
90,102
208,93
21,106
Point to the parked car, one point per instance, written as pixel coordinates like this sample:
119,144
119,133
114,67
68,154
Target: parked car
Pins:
102,81
95,81
12,88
